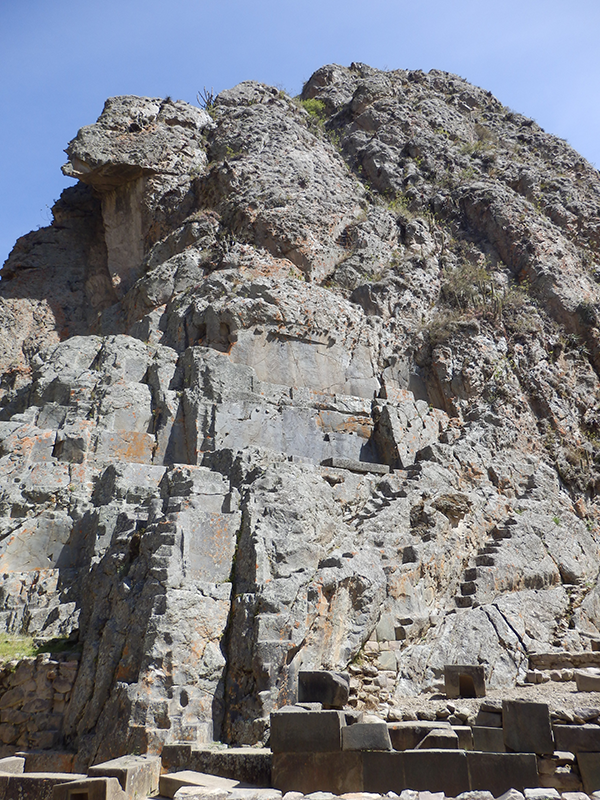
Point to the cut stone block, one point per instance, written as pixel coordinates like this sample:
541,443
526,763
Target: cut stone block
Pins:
383,772
577,738
488,740
587,680
366,736
48,761
331,689
540,793
12,764
465,736
406,735
32,785
499,772
338,773
306,731
387,661
90,789
464,680
589,769
563,780
385,630
138,775
169,784
437,771
488,719
439,739
237,793
251,765
526,727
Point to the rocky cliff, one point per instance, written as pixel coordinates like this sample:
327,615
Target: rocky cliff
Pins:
286,378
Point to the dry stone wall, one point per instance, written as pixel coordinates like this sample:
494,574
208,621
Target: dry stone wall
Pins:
33,697
301,384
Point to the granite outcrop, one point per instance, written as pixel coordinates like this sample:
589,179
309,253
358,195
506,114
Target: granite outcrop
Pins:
291,383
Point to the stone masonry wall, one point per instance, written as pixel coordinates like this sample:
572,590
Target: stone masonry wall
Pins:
34,693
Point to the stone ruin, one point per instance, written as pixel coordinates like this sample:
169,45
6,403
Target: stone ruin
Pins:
265,416
320,746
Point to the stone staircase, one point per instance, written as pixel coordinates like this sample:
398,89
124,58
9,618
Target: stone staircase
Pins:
479,575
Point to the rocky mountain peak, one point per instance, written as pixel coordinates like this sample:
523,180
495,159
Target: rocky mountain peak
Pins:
288,381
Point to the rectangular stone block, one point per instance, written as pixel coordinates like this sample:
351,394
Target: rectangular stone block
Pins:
366,736
589,769
48,761
176,757
587,680
488,719
172,782
488,740
138,775
577,738
439,739
464,680
90,789
12,764
465,736
407,735
331,689
499,772
436,771
245,764
32,785
338,773
526,727
298,731
383,772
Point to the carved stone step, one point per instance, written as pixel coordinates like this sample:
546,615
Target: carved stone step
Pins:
471,573
463,601
468,587
488,549
484,561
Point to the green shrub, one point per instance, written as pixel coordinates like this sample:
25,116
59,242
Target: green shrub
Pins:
316,108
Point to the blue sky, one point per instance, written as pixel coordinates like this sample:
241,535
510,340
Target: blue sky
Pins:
60,59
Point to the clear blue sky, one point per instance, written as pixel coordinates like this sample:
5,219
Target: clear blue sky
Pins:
60,59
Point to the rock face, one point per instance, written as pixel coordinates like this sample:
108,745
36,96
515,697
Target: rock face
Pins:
394,269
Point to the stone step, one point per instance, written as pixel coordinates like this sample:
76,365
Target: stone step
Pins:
484,560
501,533
463,601
469,587
471,573
488,549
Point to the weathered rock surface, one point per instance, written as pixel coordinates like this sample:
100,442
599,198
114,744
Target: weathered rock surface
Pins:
393,270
